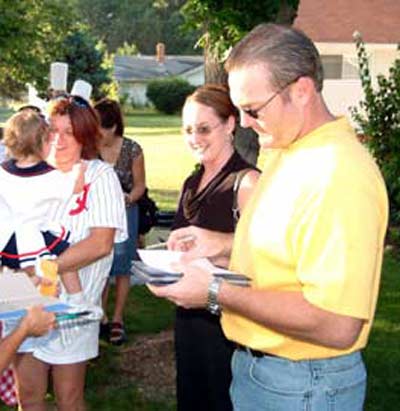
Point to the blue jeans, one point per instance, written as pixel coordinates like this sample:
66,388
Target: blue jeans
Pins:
276,384
125,252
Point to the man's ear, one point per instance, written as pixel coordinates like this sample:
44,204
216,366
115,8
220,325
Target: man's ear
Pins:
302,91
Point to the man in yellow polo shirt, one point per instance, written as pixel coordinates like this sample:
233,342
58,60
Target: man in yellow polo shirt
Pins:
311,239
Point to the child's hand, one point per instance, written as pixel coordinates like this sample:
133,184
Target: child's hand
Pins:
48,274
41,281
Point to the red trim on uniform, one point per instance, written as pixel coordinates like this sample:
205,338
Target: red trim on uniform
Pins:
81,201
49,248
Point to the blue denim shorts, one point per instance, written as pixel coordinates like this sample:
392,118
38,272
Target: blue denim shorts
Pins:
125,252
273,383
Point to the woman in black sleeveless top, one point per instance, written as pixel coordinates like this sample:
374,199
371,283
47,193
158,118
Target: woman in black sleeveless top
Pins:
203,354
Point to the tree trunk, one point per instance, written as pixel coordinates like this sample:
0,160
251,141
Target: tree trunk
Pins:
286,14
213,70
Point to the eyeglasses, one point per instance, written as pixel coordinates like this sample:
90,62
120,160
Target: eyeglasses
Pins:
254,113
200,130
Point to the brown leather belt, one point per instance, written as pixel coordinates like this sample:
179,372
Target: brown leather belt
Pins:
254,353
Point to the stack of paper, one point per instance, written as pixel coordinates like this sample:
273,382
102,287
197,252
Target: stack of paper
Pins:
157,267
17,293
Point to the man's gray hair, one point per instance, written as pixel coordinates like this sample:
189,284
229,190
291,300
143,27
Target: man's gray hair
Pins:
288,53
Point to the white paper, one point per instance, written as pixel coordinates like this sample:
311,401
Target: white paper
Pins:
17,293
163,260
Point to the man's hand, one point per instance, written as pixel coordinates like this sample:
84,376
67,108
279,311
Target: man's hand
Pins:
37,322
190,292
199,242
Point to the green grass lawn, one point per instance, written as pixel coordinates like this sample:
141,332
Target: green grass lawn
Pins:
383,354
4,114
167,159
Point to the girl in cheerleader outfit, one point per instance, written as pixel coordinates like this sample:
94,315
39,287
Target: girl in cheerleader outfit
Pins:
29,188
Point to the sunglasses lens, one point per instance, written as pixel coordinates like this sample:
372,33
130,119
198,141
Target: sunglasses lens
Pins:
79,101
251,113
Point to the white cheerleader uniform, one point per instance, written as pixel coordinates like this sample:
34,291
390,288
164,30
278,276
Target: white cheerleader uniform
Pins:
26,197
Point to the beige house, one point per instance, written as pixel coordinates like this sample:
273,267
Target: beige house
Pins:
133,73
331,25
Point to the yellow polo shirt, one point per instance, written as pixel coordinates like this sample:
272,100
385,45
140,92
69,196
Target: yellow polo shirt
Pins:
316,224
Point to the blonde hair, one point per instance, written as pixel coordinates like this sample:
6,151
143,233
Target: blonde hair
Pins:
24,134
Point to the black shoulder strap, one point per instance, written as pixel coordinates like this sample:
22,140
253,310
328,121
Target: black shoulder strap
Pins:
236,186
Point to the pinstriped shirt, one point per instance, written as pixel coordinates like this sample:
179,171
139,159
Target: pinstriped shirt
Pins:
100,204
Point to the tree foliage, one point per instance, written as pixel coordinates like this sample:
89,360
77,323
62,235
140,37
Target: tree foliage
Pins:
34,33
87,60
224,23
378,119
30,34
141,22
127,49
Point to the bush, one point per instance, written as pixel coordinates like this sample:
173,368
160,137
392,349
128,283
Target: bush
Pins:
123,101
378,118
168,95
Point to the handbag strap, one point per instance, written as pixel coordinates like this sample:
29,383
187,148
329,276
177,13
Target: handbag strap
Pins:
236,186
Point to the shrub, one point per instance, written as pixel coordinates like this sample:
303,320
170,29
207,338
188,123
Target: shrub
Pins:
123,101
378,118
168,95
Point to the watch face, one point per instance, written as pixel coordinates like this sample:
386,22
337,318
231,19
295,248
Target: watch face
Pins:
214,309
212,300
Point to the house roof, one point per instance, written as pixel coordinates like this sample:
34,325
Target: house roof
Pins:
378,21
143,68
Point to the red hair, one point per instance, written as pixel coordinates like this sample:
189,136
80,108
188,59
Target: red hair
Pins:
84,120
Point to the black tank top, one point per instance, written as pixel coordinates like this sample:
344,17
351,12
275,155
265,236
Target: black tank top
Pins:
211,208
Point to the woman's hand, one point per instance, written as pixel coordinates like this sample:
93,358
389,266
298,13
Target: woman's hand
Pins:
37,321
198,242
127,200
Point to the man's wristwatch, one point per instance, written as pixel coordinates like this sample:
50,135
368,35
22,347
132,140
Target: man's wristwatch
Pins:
212,297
